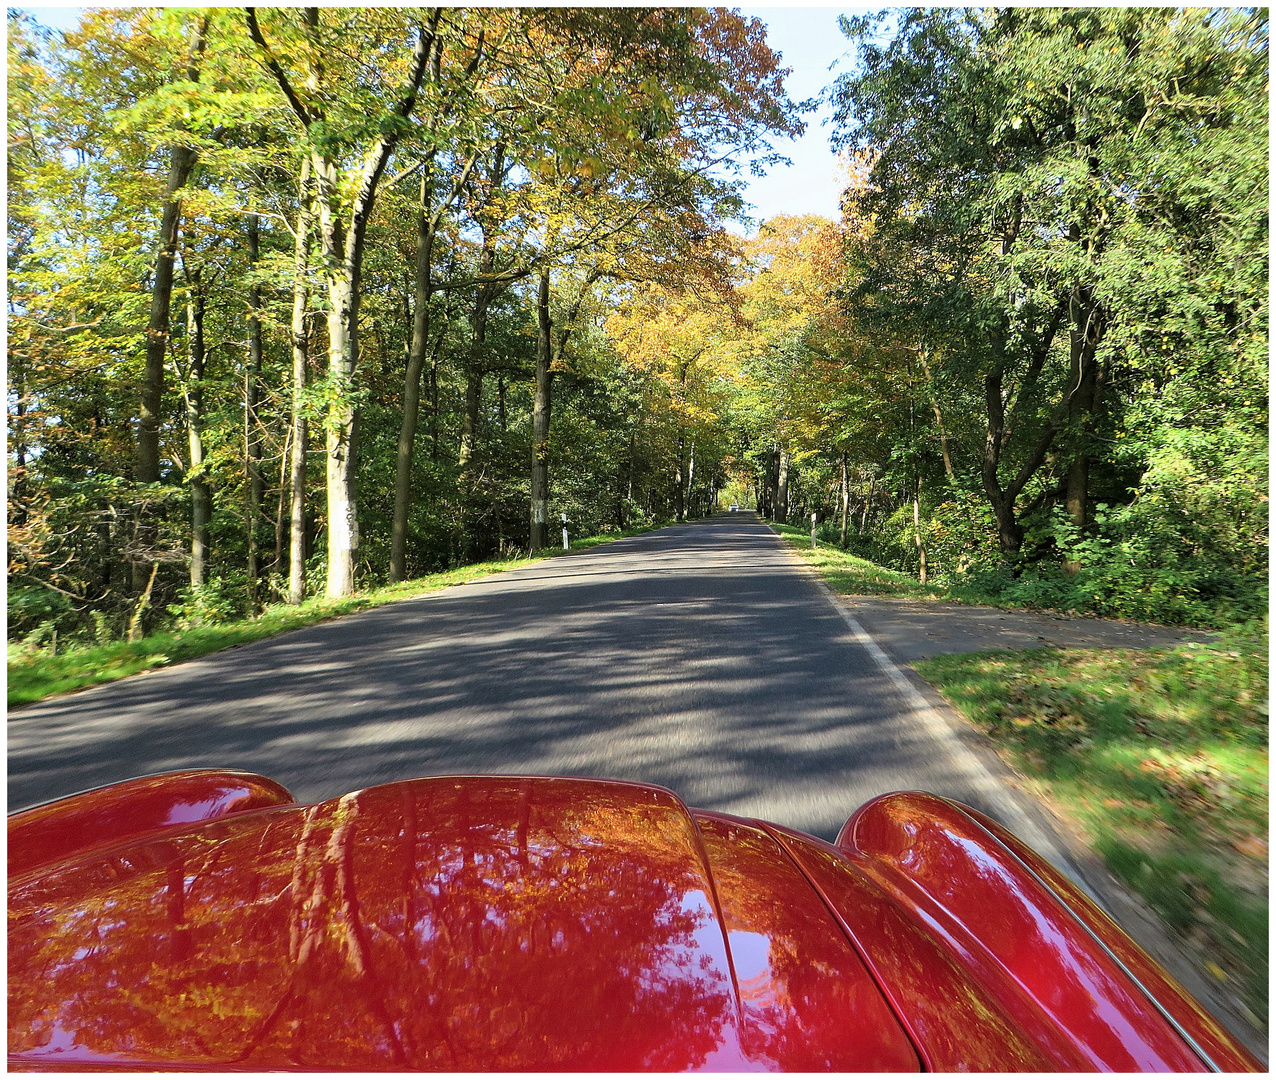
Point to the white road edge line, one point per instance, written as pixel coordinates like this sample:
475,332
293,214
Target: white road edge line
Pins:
940,730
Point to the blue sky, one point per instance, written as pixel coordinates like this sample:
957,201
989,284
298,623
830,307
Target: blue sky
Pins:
809,40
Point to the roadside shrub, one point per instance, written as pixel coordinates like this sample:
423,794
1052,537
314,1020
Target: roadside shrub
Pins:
220,599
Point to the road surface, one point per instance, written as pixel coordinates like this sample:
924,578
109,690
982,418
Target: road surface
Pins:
703,657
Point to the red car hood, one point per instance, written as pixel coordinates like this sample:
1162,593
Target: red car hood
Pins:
513,924
459,924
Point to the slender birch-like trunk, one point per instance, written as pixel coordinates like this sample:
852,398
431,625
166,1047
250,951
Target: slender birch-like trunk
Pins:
540,418
846,502
146,469
300,363
252,426
201,493
917,532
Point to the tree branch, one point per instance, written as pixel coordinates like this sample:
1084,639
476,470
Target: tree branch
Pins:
254,31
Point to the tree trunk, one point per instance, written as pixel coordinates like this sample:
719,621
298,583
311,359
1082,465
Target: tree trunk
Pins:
691,477
939,418
680,505
782,489
540,419
157,328
846,502
252,426
135,625
300,363
475,367
280,502
629,478
146,471
339,421
343,217
181,162
473,401
761,485
917,532
201,493
412,381
1084,334
341,441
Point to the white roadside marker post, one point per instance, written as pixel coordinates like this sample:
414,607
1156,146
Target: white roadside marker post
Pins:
812,530
564,532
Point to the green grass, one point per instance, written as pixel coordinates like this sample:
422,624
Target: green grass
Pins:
853,576
1161,757
34,675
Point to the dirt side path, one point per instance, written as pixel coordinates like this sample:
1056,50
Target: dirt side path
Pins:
912,630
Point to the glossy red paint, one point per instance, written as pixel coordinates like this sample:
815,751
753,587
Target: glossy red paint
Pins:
803,989
459,924
957,1017
104,816
939,861
1226,1053
519,924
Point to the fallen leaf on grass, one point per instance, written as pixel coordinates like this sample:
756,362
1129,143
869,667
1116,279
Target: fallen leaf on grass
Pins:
1254,846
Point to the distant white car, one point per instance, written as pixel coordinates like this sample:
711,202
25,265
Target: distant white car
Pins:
735,506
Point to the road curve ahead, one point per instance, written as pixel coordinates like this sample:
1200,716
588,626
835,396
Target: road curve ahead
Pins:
703,657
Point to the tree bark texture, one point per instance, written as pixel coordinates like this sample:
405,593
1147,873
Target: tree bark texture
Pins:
412,382
540,418
782,489
201,492
342,227
300,364
252,427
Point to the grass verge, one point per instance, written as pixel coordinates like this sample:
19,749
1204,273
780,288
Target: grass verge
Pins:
1160,756
850,574
37,675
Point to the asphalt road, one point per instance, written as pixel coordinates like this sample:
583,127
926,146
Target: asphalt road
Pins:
703,657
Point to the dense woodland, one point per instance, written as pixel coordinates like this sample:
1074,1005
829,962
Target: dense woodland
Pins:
304,300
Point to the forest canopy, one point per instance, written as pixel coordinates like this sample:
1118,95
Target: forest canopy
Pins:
303,300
